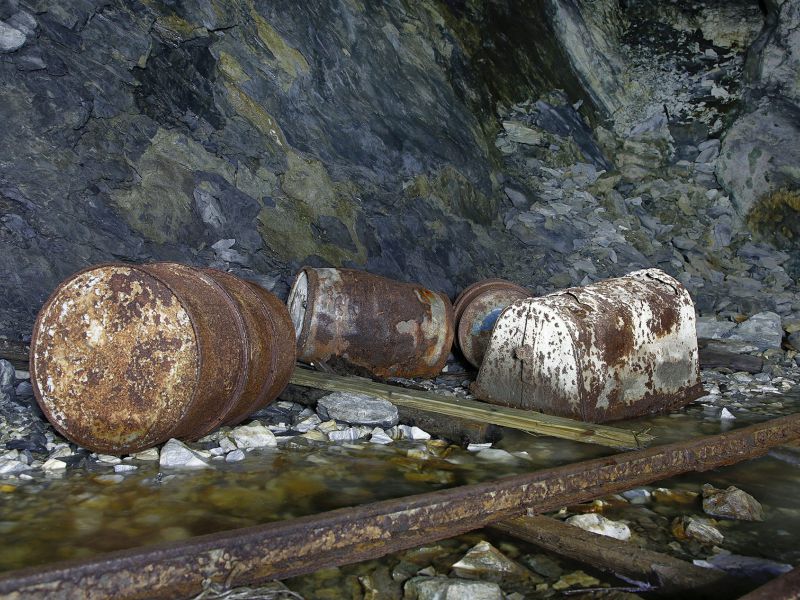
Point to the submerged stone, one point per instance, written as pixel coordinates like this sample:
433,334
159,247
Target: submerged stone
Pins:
442,588
731,503
484,561
693,528
601,525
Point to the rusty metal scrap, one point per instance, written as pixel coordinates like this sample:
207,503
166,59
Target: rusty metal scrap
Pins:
612,350
364,322
299,546
476,311
124,357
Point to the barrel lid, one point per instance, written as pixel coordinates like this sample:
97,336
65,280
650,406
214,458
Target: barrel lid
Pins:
476,310
466,297
114,359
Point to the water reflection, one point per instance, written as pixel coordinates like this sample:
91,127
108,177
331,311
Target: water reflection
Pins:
82,514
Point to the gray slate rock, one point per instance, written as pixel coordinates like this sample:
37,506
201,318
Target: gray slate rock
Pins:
11,39
357,409
763,330
711,328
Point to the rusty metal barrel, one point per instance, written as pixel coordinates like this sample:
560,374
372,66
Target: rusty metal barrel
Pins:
612,350
356,321
124,357
476,311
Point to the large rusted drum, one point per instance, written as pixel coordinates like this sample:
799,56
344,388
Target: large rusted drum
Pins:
124,357
615,349
476,311
354,320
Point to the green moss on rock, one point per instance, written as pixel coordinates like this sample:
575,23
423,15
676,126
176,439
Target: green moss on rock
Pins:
776,217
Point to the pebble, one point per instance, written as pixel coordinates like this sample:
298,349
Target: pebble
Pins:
496,455
379,436
307,424
149,454
351,434
125,468
601,525
235,456
576,579
413,433
637,496
254,435
357,409
176,454
108,459
226,444
53,464
110,478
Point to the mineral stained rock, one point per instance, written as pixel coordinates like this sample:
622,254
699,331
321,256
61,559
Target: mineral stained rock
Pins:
256,136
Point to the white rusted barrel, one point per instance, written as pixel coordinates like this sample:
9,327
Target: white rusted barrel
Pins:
612,350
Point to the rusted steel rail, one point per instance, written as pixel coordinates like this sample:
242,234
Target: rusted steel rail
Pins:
299,546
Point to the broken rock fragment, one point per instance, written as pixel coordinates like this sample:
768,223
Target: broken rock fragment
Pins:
732,503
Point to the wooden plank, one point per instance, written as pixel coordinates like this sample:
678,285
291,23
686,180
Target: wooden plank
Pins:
657,571
345,536
475,410
712,358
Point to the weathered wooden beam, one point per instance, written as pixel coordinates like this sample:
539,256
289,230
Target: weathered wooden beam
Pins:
534,422
713,358
785,587
658,571
299,546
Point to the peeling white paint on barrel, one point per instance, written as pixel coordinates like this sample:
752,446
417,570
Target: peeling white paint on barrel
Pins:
611,350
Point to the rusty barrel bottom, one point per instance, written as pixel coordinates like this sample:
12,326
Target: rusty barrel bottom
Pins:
124,357
222,340
359,322
476,310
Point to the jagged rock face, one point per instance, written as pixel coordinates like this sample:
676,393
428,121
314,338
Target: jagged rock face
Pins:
760,154
327,132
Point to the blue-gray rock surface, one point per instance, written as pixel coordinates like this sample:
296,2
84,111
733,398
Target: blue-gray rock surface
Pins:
357,409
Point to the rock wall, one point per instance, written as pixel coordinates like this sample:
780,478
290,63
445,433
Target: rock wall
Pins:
760,154
256,136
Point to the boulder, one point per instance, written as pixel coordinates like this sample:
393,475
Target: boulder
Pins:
357,409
